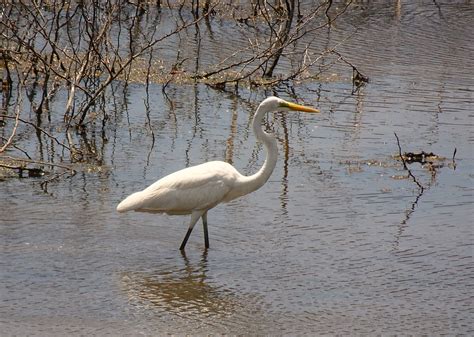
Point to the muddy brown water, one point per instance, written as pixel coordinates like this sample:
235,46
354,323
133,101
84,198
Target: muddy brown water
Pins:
334,243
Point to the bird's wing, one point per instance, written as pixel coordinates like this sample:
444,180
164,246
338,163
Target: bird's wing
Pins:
194,188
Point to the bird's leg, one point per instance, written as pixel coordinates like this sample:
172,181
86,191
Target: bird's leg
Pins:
194,218
206,233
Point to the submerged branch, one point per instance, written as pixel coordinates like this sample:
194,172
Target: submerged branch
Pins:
34,168
405,165
56,140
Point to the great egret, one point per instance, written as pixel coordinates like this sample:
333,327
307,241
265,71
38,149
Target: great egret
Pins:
197,189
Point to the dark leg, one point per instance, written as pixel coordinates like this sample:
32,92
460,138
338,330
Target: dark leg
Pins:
206,233
194,218
185,240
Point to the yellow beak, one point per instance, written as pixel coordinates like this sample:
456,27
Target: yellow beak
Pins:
297,107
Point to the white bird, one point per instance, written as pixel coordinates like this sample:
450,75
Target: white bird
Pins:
197,189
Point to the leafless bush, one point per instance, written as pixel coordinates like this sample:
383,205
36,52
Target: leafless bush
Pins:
79,48
86,50
274,29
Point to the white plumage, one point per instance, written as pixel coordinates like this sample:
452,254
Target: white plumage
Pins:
197,189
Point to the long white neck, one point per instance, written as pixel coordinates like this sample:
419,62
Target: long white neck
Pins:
248,184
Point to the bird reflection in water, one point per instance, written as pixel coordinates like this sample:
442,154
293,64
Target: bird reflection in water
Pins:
186,291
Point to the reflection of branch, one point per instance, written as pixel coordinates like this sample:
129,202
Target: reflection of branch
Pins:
454,161
44,184
18,106
406,167
36,171
39,162
147,105
17,148
414,204
41,130
17,120
32,172
404,222
286,153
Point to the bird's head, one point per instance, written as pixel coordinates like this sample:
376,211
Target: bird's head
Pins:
273,103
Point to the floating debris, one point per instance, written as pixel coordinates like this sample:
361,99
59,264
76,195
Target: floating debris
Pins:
420,157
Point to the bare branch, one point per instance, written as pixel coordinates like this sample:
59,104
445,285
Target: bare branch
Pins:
406,167
17,120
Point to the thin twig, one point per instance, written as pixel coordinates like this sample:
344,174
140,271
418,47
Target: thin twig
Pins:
38,162
405,165
41,130
17,120
18,148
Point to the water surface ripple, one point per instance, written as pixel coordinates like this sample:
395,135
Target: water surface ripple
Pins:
334,244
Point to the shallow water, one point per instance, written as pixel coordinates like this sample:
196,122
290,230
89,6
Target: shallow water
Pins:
334,243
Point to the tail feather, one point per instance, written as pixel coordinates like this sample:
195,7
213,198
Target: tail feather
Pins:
131,203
